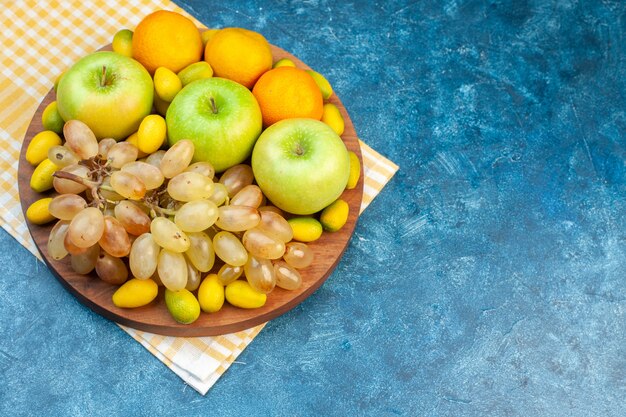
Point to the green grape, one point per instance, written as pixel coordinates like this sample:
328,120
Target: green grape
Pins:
250,195
203,167
169,236
155,158
287,277
134,220
80,139
66,206
196,216
229,273
193,277
220,194
172,269
275,226
121,154
86,227
189,186
64,186
200,252
114,240
104,146
151,176
260,274
177,158
85,262
144,255
237,177
229,249
298,255
237,218
111,269
62,156
56,240
128,185
107,194
261,245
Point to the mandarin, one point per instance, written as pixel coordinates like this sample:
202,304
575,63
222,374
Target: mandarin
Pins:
287,93
166,39
238,54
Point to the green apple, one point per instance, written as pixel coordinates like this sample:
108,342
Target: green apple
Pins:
301,165
221,117
109,92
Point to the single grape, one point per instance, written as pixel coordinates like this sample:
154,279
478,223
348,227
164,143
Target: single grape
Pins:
203,168
85,262
196,216
229,273
273,209
298,255
287,277
107,194
121,154
220,194
177,158
275,225
64,186
151,176
134,220
237,177
111,269
56,240
193,277
104,146
261,245
144,255
237,218
229,248
71,248
200,252
114,238
128,185
80,139
109,211
250,195
189,186
169,236
172,269
155,158
66,206
62,156
86,227
260,274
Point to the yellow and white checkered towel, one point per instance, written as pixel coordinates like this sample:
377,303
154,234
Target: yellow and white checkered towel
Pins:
40,40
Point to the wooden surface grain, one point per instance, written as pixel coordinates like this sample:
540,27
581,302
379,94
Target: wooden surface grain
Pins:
155,318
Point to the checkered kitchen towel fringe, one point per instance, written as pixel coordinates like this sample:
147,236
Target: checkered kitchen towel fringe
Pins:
40,40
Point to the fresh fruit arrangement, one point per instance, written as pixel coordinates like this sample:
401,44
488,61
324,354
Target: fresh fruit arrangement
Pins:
185,159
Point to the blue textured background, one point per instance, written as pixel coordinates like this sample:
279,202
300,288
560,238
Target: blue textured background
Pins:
486,279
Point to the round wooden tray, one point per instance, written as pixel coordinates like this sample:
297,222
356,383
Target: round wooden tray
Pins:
155,318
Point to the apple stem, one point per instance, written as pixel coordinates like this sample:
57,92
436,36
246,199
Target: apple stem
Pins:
214,107
103,80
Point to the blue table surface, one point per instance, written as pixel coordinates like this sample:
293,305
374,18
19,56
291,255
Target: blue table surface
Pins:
486,279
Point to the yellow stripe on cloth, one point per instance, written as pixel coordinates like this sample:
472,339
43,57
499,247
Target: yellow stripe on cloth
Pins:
41,39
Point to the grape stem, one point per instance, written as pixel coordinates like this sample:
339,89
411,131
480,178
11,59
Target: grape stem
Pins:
151,201
91,185
106,188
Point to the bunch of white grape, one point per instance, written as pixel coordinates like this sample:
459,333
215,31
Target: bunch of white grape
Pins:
160,217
